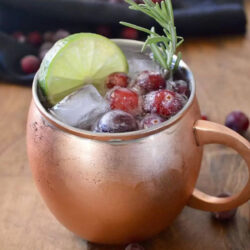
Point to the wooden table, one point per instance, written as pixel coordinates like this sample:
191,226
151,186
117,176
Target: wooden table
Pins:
222,70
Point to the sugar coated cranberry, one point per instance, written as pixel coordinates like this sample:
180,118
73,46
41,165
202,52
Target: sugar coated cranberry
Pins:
163,102
149,81
237,121
181,87
134,246
129,33
150,120
117,79
116,121
124,99
30,64
34,38
104,30
224,215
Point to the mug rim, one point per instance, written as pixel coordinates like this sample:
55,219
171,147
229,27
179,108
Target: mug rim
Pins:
116,137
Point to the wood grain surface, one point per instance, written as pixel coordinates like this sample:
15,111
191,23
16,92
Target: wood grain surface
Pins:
222,69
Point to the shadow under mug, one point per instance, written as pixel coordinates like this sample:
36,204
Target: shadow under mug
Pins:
119,188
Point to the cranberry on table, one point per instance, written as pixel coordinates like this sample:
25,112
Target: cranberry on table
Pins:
129,33
116,121
30,64
163,102
124,99
34,38
150,120
118,79
204,117
237,121
104,30
224,215
134,246
149,81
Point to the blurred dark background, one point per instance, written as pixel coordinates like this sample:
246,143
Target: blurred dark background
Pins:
193,17
31,27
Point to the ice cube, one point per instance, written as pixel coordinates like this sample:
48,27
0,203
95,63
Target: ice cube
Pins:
81,108
138,61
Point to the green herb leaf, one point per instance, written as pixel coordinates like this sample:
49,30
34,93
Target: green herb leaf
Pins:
163,46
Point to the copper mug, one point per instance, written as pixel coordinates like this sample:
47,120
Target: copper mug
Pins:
118,188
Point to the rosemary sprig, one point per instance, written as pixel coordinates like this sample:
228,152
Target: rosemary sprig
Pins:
163,46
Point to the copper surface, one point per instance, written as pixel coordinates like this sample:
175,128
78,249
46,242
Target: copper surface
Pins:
117,191
207,133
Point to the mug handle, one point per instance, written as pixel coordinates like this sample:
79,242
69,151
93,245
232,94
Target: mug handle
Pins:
207,132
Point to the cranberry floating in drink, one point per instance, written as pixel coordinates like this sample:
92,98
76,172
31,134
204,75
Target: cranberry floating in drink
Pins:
115,136
140,84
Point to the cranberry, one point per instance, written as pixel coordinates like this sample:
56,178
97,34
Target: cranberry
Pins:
134,246
150,120
104,30
48,36
163,102
117,79
60,34
35,38
116,121
156,1
129,33
124,99
181,87
224,215
204,117
19,36
149,81
30,64
46,46
237,121
44,49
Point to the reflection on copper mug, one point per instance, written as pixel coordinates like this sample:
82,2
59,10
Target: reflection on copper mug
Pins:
119,188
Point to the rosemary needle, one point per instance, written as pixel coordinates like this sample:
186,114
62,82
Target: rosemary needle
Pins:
163,46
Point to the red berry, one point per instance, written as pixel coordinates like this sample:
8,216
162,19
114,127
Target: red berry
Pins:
156,1
19,36
134,246
224,215
124,99
181,87
204,117
150,120
129,33
34,38
60,34
117,79
116,121
237,121
30,64
104,30
163,102
149,81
